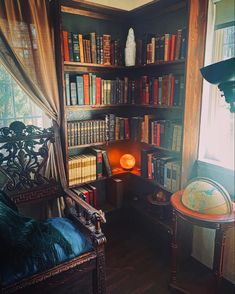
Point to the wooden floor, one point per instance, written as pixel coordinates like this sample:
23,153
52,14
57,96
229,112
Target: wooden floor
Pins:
134,265
137,264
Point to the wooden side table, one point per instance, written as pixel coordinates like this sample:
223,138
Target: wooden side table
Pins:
221,223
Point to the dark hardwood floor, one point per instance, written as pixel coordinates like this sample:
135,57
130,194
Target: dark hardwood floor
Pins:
138,262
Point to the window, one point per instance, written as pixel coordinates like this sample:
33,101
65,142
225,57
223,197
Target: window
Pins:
16,105
217,123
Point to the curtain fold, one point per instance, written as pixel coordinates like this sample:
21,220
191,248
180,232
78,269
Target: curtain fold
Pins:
27,52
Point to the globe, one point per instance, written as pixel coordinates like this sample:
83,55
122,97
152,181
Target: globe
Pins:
127,161
207,197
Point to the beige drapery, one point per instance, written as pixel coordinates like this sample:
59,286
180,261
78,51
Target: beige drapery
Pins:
27,52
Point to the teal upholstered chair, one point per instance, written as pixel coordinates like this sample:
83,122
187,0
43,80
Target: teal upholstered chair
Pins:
43,256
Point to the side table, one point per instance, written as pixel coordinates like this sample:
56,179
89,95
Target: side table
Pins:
221,223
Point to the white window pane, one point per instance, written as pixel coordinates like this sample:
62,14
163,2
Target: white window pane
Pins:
16,105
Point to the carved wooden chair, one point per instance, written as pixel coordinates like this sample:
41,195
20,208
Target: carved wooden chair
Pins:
23,156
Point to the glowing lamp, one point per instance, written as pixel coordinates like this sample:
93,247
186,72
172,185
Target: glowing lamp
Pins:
127,161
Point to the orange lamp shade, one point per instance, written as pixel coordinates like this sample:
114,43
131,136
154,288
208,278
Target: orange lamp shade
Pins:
127,161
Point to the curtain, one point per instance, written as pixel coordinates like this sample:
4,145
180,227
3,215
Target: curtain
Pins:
27,52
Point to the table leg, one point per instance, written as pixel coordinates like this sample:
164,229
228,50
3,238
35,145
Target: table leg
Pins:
174,247
220,237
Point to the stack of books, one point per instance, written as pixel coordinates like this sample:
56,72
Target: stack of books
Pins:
88,193
89,89
155,48
164,170
91,48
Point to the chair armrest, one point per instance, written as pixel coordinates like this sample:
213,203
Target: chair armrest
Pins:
83,213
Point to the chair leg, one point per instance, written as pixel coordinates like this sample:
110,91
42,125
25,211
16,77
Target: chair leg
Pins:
99,283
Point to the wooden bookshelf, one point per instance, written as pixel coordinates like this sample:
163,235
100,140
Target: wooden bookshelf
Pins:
171,16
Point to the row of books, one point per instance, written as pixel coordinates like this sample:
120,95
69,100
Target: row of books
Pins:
88,167
82,168
88,89
164,170
91,48
160,133
88,193
98,131
167,47
117,128
166,90
86,132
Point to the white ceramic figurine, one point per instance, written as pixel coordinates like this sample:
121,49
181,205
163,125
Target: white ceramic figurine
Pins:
130,50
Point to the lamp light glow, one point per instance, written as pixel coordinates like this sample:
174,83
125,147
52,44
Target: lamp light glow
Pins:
127,161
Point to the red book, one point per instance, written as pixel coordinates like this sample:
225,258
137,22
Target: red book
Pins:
172,90
140,91
98,90
158,132
94,191
169,48
86,89
143,89
147,93
173,41
178,44
65,46
127,128
150,168
155,92
164,89
86,194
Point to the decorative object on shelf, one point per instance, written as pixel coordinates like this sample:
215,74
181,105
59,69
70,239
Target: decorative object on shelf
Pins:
207,204
207,197
127,161
158,198
222,74
130,50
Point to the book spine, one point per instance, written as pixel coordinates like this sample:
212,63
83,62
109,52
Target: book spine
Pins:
65,46
98,90
93,48
178,44
80,90
76,51
70,44
106,49
86,89
106,163
80,39
67,89
73,93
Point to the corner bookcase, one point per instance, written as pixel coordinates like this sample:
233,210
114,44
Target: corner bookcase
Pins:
156,19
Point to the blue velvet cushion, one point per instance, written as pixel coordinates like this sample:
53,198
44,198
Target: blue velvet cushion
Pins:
78,243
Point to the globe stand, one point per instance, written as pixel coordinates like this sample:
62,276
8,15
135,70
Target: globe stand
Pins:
221,223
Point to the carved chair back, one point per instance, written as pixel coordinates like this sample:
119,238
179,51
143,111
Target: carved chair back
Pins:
23,160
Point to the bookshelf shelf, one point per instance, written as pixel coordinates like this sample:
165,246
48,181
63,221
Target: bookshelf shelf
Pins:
176,153
86,145
107,106
97,144
152,182
70,66
88,182
94,107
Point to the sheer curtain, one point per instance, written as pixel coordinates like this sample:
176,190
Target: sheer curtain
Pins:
26,51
